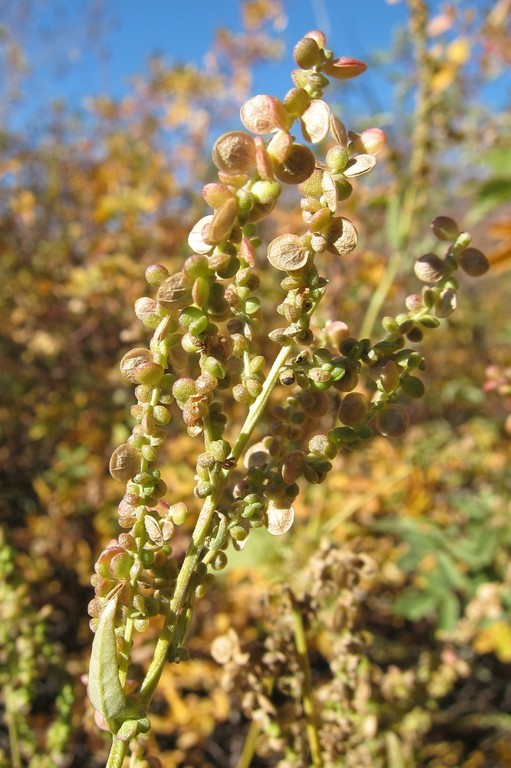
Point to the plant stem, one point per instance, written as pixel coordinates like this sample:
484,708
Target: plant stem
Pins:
10,716
247,753
307,695
118,752
202,529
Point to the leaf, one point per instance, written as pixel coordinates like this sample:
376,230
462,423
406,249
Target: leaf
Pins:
448,612
415,605
105,690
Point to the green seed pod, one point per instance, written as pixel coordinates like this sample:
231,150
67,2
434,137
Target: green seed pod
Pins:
175,292
265,192
234,153
353,409
307,53
473,262
219,560
296,101
446,303
297,167
183,389
312,188
147,311
390,376
216,194
413,387
161,414
337,159
125,463
392,421
148,373
156,274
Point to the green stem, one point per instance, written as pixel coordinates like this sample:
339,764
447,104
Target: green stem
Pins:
247,753
10,716
201,531
307,695
118,752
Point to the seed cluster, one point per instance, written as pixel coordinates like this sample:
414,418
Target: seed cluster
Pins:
206,351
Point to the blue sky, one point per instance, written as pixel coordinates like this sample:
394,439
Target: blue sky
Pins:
82,48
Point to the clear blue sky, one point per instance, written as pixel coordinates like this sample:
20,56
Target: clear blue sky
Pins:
81,48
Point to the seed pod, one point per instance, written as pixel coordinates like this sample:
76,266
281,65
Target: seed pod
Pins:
234,152
153,530
279,147
315,121
342,236
446,303
292,466
329,189
307,53
264,114
318,36
445,228
359,165
287,253
338,131
132,360
222,222
155,274
392,421
430,268
296,101
148,373
175,292
337,158
216,194
196,239
390,376
344,68
265,192
146,311
297,167
279,519
353,410
473,262
371,141
311,188
125,463
413,387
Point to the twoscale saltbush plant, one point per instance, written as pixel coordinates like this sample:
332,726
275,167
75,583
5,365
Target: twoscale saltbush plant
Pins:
207,358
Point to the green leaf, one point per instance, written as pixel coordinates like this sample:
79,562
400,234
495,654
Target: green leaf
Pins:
449,612
105,690
415,604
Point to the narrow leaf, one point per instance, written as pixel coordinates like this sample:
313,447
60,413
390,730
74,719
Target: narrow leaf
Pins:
105,690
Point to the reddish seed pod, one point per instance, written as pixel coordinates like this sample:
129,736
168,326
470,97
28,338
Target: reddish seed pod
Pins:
473,262
234,153
264,114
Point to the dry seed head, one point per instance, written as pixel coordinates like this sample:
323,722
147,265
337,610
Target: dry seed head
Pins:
359,165
353,409
446,303
292,466
287,253
445,228
329,190
234,152
296,101
222,222
175,292
279,519
429,268
132,360
338,131
264,114
297,167
125,463
264,163
392,421
342,236
473,262
280,146
315,121
196,239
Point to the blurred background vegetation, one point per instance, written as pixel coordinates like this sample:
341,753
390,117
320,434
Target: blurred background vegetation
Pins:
400,564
